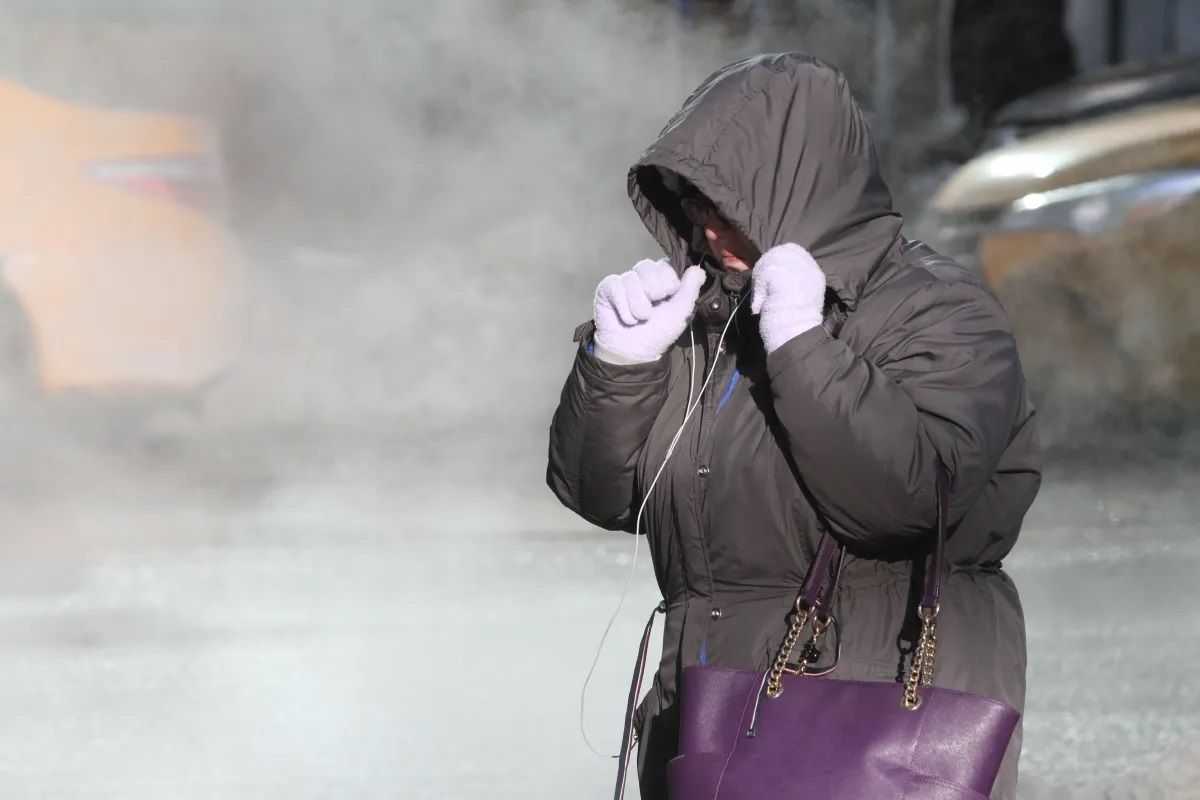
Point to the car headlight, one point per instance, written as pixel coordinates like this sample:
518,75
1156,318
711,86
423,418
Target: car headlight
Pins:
1097,207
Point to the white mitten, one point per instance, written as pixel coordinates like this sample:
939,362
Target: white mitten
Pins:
788,294
640,313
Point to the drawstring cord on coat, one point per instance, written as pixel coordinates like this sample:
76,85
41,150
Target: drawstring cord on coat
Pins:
690,408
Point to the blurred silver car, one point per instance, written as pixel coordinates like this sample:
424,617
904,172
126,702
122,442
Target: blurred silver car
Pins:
1084,215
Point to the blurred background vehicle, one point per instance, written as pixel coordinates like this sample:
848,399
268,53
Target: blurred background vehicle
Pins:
1094,94
120,276
1082,212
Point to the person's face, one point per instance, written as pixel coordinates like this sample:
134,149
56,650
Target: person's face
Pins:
732,250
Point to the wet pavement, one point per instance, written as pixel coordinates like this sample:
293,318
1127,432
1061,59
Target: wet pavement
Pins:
347,624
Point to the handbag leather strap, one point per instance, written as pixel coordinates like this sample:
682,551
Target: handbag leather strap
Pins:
820,584
933,574
819,587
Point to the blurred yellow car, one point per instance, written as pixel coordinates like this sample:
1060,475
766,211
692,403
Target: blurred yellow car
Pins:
1089,230
118,273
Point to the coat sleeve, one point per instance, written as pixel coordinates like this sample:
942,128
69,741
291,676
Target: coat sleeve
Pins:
943,382
597,433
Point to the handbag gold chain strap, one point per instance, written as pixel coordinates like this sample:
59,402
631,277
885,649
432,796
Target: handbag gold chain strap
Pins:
921,671
799,620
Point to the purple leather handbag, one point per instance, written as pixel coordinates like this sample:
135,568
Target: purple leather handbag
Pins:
787,732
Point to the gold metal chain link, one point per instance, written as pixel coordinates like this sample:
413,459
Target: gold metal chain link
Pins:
799,620
921,671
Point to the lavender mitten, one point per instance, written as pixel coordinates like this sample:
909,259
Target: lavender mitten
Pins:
640,313
788,294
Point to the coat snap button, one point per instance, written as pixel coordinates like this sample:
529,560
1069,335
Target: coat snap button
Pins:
702,471
715,613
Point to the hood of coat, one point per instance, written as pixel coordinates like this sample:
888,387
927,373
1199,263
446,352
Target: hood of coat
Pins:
781,148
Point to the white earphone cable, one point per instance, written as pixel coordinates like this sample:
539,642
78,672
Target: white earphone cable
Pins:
690,408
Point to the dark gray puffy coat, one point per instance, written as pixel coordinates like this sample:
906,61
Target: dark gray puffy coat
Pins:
915,362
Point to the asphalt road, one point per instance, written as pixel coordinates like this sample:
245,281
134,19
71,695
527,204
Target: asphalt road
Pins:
199,621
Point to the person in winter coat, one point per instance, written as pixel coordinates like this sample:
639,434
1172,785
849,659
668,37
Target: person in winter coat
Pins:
860,360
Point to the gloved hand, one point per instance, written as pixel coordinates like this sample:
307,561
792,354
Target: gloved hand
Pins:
640,313
788,294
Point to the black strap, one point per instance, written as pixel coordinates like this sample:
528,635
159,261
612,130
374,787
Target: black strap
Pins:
635,690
